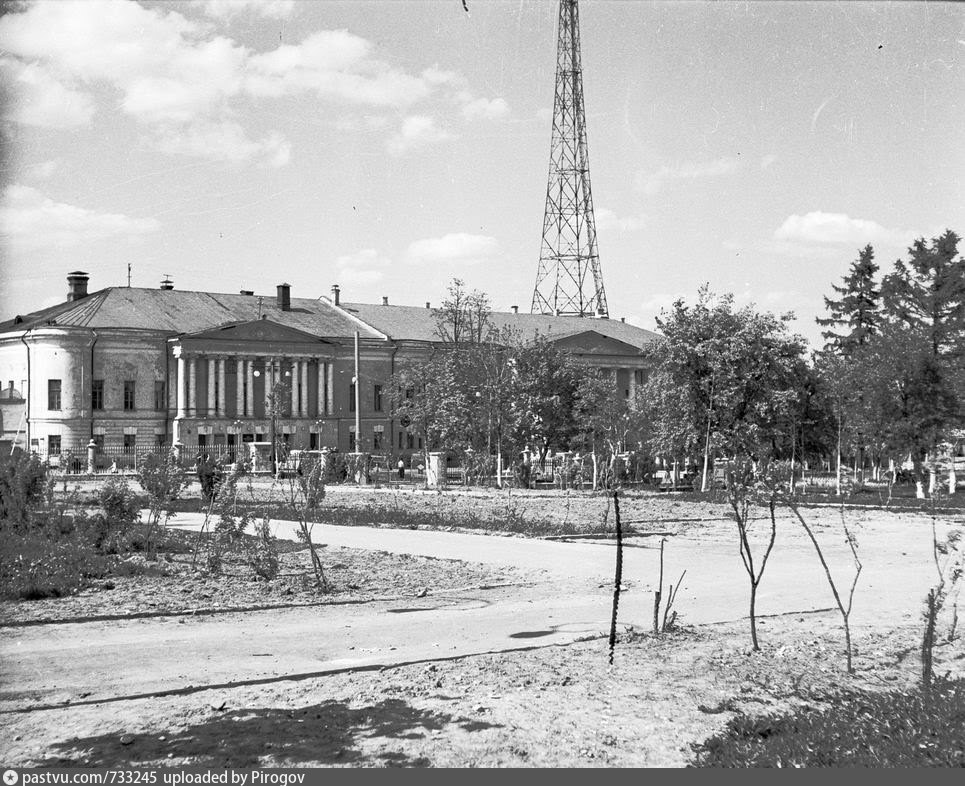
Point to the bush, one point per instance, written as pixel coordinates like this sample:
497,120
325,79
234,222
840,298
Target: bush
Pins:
114,529
860,729
23,479
46,563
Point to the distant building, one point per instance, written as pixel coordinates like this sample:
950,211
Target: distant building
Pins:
134,369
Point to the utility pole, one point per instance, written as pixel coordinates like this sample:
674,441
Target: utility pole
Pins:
569,281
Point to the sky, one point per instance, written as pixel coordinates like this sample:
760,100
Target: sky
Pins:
391,146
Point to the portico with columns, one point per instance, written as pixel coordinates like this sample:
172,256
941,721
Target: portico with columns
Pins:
228,383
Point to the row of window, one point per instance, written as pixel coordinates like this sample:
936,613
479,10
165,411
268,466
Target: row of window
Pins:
130,440
54,395
55,400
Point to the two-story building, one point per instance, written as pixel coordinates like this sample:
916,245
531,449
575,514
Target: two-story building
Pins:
135,368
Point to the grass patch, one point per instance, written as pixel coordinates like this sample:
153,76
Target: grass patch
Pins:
860,729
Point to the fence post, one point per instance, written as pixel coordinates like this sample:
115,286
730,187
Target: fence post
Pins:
91,456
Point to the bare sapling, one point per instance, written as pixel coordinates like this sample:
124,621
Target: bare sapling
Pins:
618,575
664,623
844,608
948,561
741,489
303,495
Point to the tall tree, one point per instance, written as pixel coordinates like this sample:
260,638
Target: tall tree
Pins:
928,293
464,317
724,379
857,310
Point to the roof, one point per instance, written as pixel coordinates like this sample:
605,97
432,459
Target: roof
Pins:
412,323
182,311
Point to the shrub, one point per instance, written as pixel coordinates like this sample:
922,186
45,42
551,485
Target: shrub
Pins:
48,562
121,506
860,729
23,480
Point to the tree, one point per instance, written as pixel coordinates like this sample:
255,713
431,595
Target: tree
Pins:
723,380
464,317
604,422
928,293
547,382
923,344
858,308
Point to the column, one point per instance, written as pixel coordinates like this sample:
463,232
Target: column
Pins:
633,382
211,381
329,388
192,386
303,378
250,390
239,388
294,390
182,387
269,382
222,393
320,408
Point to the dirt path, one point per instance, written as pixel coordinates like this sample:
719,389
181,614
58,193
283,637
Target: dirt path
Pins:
375,682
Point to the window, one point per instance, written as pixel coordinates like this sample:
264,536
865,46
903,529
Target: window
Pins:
53,394
401,434
377,398
638,376
129,394
98,440
160,440
410,441
202,440
53,444
377,436
160,397
313,441
351,397
351,439
97,394
130,442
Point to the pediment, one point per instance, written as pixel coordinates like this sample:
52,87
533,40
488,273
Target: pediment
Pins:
256,330
592,341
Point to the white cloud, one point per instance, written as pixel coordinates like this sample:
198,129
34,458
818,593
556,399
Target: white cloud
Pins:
653,182
30,220
608,220
361,268
41,171
416,131
485,109
454,249
37,98
224,9
767,160
821,228
184,83
224,141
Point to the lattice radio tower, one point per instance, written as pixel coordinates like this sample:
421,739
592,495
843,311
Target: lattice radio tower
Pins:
569,281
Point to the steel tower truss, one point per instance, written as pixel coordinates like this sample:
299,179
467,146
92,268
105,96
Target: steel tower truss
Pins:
569,281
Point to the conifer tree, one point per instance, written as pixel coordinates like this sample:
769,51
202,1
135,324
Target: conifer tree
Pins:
858,308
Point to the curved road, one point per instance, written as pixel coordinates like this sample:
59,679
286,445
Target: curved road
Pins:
568,598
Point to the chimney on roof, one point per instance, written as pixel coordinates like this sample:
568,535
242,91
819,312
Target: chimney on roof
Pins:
248,292
515,309
77,285
167,283
285,297
623,319
385,300
427,304
335,291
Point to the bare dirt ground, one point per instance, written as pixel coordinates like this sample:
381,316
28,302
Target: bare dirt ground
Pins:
558,706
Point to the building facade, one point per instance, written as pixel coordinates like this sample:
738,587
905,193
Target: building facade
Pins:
133,369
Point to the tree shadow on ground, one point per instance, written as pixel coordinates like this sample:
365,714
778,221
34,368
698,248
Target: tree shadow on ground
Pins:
320,734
